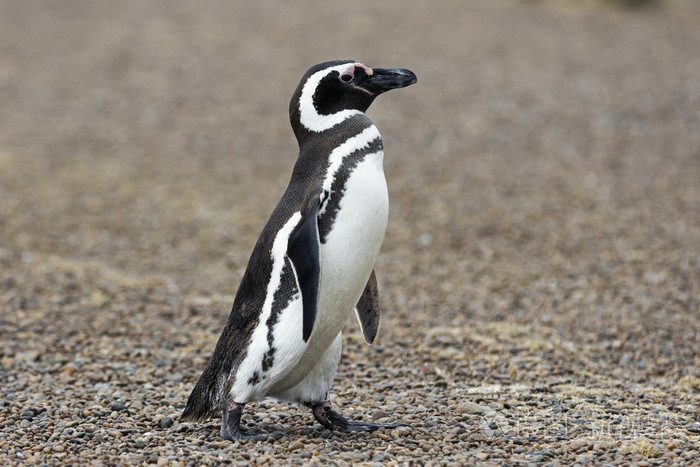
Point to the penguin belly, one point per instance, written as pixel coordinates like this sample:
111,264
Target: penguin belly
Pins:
347,259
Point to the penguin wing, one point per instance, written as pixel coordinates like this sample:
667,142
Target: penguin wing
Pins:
367,309
303,252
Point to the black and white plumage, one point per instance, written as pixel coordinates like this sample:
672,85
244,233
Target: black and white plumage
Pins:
313,263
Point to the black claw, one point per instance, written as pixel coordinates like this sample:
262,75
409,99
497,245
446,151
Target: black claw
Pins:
367,426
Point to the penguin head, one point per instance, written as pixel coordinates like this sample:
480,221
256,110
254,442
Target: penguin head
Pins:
332,92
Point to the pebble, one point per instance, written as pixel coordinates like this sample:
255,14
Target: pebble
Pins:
138,405
166,422
298,444
27,357
117,406
470,408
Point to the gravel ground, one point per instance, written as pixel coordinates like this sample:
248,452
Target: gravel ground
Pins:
540,277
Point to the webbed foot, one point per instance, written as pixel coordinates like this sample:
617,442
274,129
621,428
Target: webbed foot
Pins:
329,418
231,429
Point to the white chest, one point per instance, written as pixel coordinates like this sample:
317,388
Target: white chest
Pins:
352,245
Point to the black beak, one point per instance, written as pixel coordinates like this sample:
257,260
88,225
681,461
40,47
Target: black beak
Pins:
386,79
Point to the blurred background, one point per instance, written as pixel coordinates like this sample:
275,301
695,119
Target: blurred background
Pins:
545,142
544,177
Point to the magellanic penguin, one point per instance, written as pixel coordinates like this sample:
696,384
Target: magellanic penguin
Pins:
314,261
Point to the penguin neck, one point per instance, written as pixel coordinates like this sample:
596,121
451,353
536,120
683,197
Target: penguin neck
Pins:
324,142
321,153
315,149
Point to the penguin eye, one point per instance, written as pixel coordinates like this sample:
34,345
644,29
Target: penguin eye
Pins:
346,77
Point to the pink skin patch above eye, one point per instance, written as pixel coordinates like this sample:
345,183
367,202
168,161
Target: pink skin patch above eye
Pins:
351,69
367,69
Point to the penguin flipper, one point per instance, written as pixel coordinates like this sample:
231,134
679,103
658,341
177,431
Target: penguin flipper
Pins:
367,309
303,250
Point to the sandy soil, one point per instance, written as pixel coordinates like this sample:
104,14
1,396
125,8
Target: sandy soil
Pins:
540,277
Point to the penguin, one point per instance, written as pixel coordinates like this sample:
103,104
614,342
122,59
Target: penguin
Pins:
313,264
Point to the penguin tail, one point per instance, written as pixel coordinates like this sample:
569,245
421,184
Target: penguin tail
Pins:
205,402
208,398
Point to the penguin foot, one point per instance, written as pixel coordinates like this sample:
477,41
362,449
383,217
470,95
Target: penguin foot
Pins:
230,425
329,418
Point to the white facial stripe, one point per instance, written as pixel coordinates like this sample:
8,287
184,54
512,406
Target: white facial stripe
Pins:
336,157
308,115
